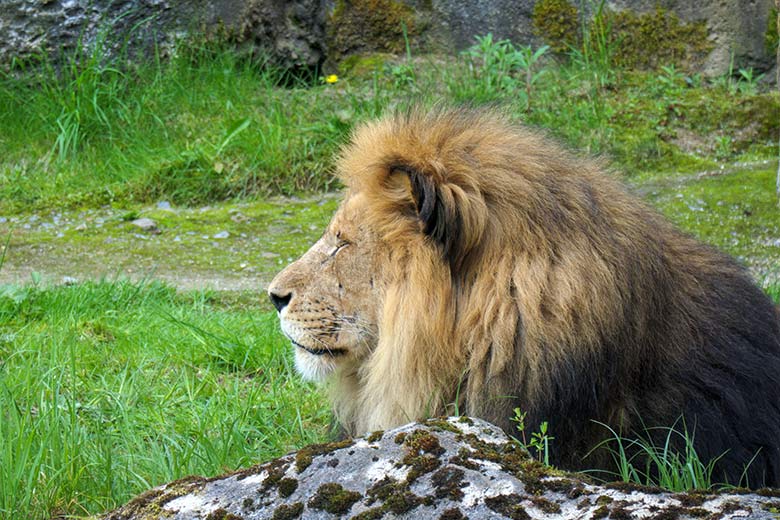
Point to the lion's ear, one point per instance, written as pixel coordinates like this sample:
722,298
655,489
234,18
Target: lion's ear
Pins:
436,209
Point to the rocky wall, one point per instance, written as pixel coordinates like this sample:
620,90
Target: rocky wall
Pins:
307,33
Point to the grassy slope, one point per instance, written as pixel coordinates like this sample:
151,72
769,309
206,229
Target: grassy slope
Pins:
208,126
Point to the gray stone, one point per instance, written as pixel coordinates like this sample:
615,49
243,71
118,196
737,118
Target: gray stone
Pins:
442,468
290,31
69,280
460,22
145,224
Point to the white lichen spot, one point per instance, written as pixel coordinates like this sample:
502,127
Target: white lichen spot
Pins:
385,468
473,494
253,480
360,444
187,505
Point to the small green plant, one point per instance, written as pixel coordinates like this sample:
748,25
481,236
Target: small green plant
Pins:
723,146
490,65
742,81
494,69
671,78
596,54
403,74
747,82
527,60
539,443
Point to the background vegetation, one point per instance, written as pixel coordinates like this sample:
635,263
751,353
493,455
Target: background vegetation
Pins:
110,387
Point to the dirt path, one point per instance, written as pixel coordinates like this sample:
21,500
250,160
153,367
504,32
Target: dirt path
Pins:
229,247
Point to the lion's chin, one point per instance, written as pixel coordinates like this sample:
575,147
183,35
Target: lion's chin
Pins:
314,367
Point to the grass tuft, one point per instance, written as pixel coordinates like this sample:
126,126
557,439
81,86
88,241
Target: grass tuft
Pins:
670,464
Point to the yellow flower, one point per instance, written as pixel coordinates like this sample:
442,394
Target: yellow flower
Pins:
332,78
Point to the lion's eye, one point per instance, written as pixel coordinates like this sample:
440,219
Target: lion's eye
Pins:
341,245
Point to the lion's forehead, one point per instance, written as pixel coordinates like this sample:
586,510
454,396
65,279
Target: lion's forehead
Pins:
348,215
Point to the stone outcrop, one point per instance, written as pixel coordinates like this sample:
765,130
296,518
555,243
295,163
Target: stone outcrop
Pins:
306,33
291,32
737,28
451,468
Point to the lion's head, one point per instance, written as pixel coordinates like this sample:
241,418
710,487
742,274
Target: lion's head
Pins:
473,266
329,299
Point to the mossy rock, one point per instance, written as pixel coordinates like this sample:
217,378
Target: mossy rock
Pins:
771,38
364,65
635,40
366,26
657,38
557,22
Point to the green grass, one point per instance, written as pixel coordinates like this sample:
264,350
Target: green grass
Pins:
107,389
207,125
736,211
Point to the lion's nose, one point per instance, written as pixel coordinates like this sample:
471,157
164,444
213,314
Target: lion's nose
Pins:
280,301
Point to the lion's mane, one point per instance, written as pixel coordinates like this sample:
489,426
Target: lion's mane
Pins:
522,276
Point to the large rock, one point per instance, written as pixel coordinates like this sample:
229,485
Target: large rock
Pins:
292,32
450,469
737,28
304,33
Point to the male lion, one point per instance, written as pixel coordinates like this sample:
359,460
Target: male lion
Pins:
474,264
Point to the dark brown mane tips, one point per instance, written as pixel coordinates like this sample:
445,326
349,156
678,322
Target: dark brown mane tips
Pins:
440,218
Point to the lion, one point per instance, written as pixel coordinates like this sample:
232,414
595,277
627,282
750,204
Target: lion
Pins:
476,267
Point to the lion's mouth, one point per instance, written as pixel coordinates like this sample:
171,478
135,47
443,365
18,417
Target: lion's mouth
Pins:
320,351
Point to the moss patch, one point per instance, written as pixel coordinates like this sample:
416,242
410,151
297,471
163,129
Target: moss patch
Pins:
547,506
222,514
448,483
360,26
423,450
288,512
364,65
770,36
287,487
657,38
452,514
370,514
276,470
507,505
515,460
305,456
557,22
635,40
333,498
395,497
375,436
442,425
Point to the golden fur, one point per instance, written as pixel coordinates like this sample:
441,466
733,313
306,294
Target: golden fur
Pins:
502,272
